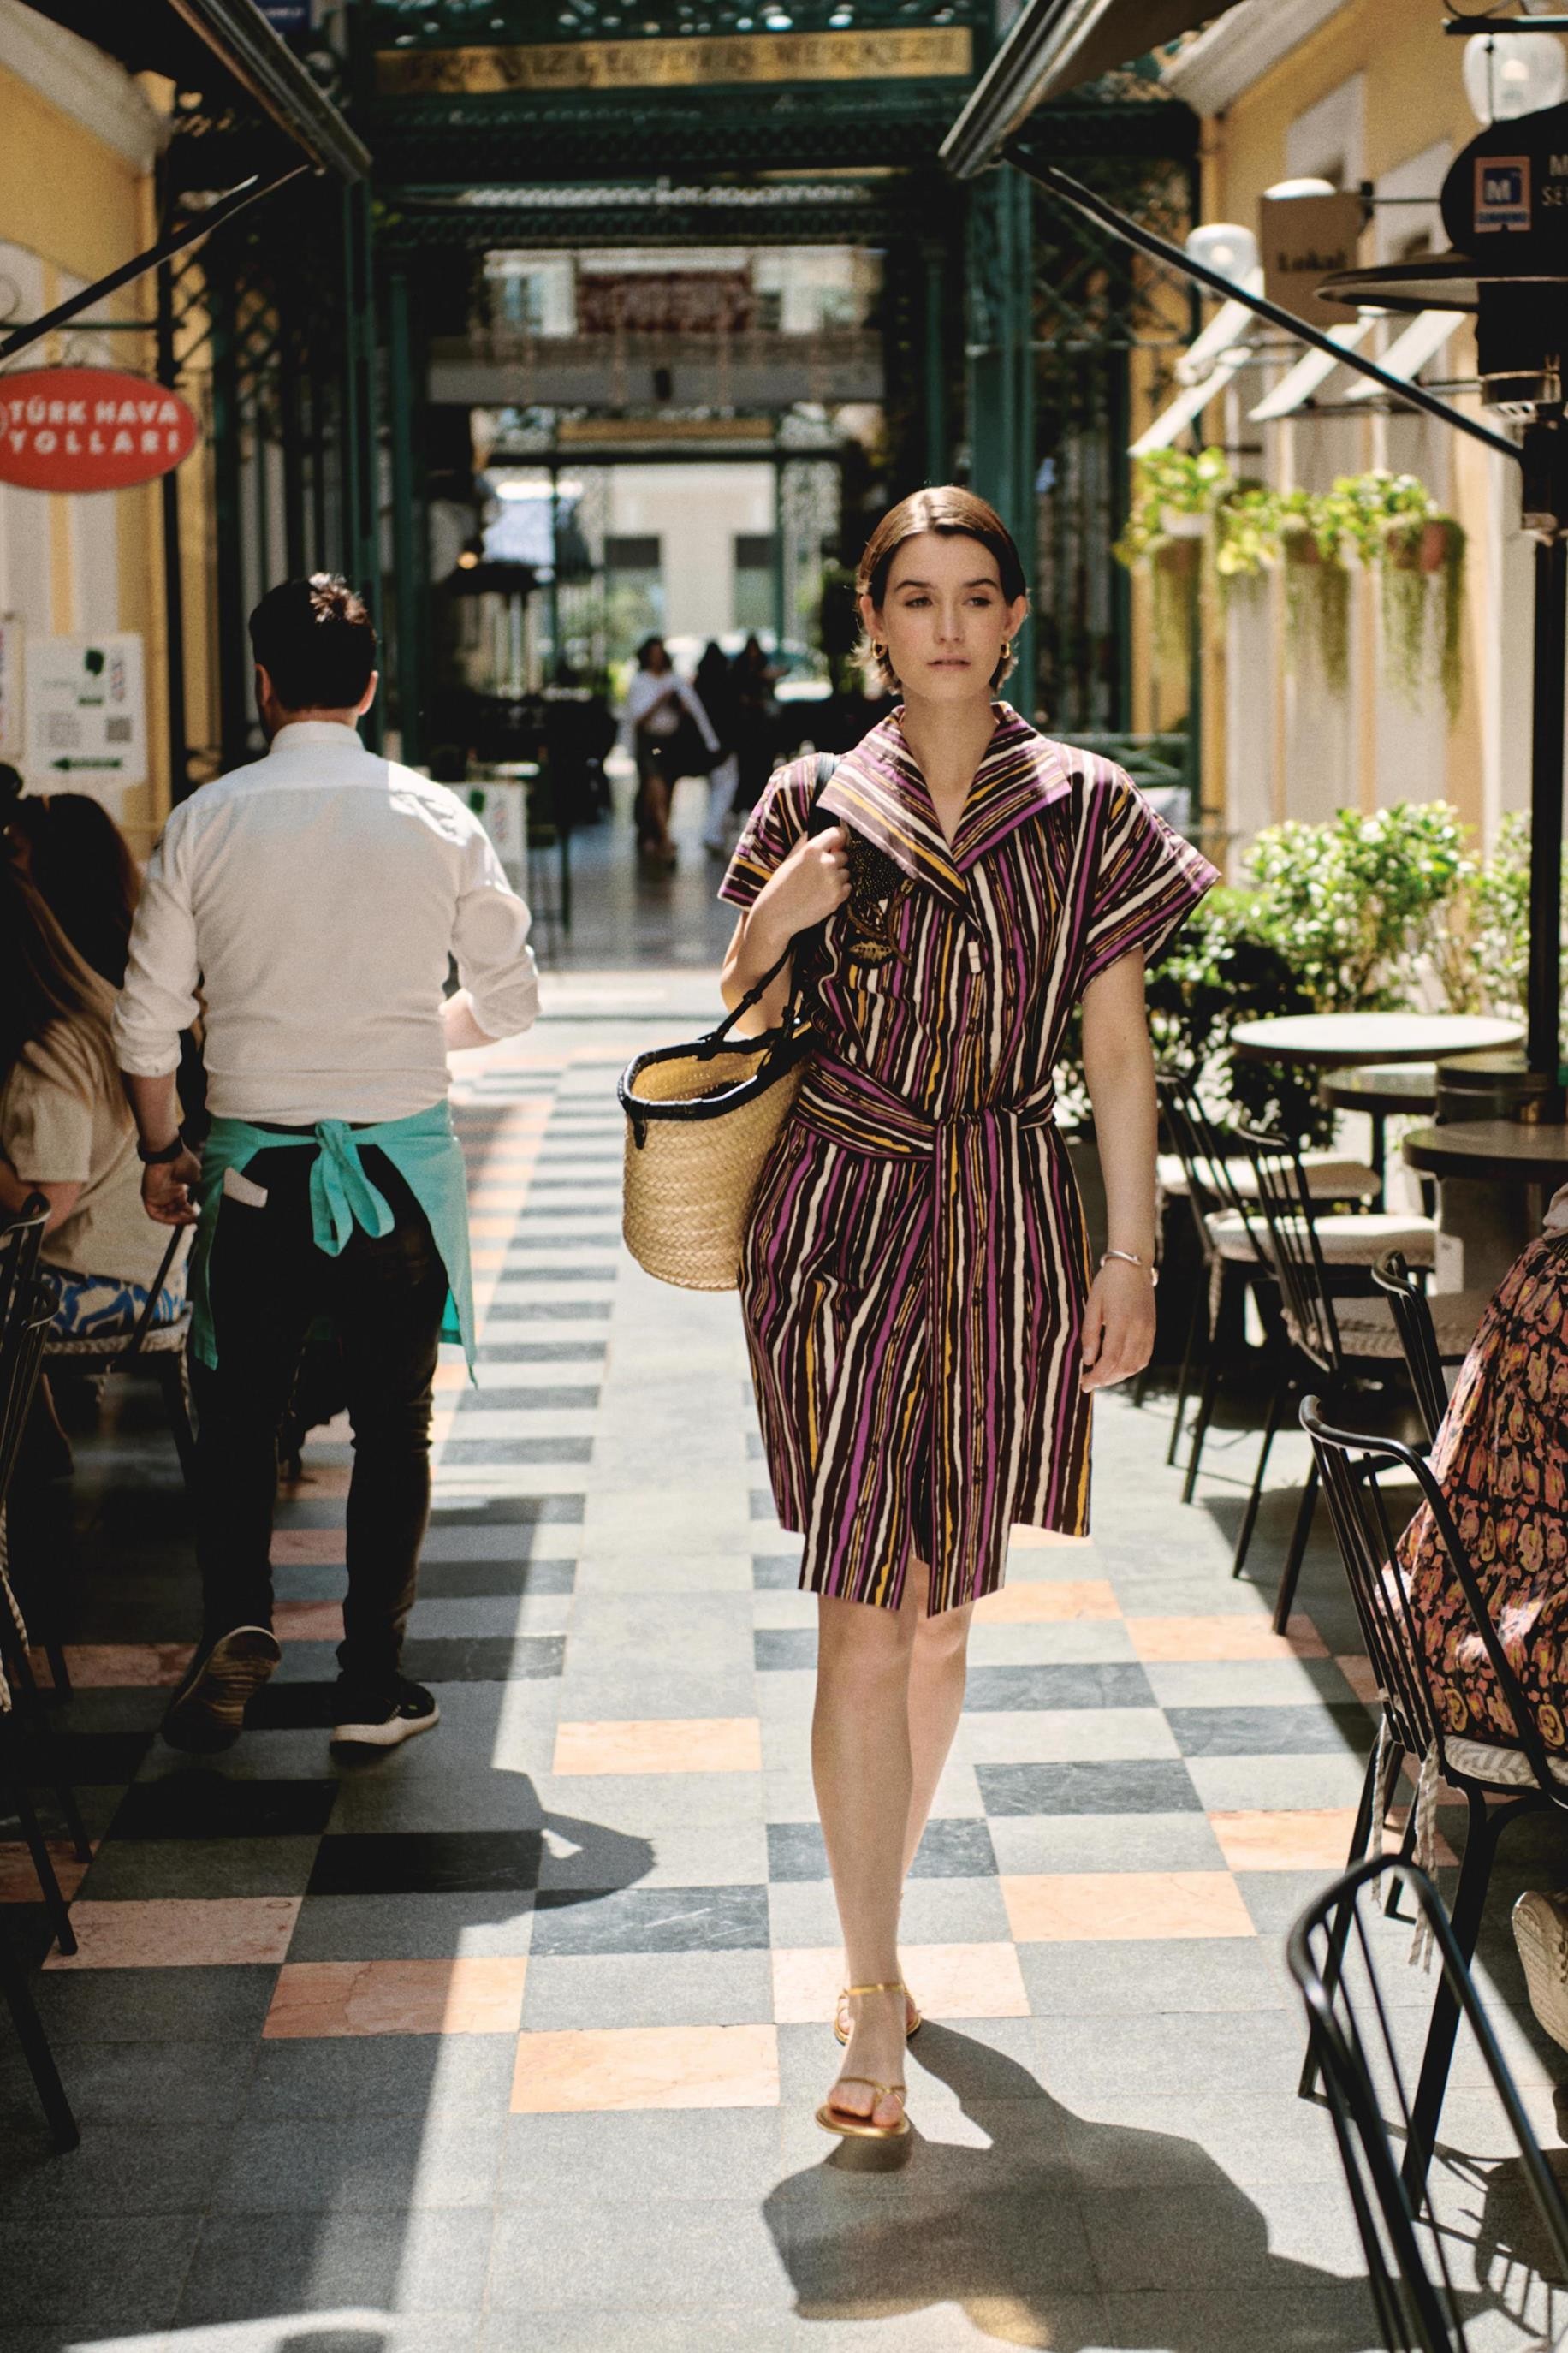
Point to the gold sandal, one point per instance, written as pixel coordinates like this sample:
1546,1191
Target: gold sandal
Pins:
841,2013
833,2120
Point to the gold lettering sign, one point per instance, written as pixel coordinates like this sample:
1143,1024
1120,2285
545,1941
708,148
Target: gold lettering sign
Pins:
916,53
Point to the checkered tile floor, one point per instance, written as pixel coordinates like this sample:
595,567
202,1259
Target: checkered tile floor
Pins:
513,2038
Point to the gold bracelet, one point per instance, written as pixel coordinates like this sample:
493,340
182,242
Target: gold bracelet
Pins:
1133,1258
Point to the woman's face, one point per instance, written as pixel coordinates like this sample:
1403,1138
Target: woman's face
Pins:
943,617
657,659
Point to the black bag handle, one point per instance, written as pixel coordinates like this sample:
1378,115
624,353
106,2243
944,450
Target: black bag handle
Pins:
826,763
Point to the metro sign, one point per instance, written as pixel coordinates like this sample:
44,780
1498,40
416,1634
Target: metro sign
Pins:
88,428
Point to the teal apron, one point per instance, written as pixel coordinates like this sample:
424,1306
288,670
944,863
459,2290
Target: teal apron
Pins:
424,1151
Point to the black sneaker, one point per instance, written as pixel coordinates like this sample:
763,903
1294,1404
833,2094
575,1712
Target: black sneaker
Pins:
381,1718
207,1712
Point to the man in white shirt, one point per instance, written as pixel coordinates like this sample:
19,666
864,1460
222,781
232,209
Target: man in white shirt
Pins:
315,898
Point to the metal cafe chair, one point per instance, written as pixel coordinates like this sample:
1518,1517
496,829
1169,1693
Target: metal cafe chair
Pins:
23,1317
1350,2028
1333,1336
1432,1333
1499,1781
162,1347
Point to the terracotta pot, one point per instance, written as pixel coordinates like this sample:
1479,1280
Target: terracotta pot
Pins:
1422,550
1300,547
1179,558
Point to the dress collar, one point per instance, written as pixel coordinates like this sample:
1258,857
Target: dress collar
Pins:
877,788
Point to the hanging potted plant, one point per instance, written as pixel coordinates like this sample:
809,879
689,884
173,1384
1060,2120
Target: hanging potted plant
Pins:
1175,494
1316,538
1423,557
1246,535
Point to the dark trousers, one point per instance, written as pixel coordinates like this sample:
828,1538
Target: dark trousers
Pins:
268,1282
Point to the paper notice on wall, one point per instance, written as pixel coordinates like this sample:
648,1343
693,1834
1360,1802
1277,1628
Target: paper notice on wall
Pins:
86,715
10,690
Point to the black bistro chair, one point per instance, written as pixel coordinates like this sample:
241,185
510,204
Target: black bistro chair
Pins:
1353,2038
1498,1780
1337,1332
1426,1348
23,1318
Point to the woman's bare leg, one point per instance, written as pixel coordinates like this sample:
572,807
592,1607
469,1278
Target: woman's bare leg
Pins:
937,1672
863,1771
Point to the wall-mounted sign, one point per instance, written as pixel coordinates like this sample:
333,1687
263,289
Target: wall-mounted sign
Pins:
287,16
892,53
87,714
86,429
1303,238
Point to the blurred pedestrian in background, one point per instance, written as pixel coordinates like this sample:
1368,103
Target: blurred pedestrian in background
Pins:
672,738
715,685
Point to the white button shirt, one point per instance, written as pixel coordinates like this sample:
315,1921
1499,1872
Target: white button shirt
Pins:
315,898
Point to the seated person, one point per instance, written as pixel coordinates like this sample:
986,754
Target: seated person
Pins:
66,1130
79,862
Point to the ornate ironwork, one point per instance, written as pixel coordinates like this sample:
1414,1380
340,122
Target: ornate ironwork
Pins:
446,24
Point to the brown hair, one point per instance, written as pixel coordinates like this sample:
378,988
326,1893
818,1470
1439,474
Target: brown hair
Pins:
79,862
955,513
46,988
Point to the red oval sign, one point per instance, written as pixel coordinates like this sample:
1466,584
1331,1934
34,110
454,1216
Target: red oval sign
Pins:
89,428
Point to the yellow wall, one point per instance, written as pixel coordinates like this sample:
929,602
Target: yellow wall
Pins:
1414,97
81,207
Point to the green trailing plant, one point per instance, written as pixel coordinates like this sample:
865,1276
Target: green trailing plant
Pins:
1387,524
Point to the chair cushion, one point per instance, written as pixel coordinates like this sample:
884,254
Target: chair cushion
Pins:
1368,1329
85,1347
1509,1767
1330,1177
1358,1239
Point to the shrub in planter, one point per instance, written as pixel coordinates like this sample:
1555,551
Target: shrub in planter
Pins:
1351,904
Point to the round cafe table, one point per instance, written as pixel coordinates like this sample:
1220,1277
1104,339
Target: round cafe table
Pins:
1378,1090
1338,1041
1496,1175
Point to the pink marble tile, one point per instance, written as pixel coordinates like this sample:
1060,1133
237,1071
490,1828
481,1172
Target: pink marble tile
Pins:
591,2069
699,1745
478,1995
18,1881
1167,1641
308,1547
1361,1674
307,1621
180,1933
100,1666
1039,1539
946,1982
318,1478
1032,1603
1088,1906
1315,1838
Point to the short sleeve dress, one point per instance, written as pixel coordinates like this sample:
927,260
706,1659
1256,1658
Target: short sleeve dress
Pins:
915,1267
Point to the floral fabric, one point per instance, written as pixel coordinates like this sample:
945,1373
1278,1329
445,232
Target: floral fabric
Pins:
1501,1459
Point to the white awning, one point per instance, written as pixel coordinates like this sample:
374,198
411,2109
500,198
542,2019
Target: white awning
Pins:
1190,404
1422,340
1301,381
1232,322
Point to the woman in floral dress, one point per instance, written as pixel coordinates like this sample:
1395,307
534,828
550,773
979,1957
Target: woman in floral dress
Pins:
924,1328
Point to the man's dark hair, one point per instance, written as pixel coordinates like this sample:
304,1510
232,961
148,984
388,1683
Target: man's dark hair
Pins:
316,641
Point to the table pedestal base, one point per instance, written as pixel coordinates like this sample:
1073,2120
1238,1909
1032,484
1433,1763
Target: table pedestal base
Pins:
1481,1230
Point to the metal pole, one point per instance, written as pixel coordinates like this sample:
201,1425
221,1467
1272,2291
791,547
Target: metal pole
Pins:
250,191
1022,519
936,464
554,605
1147,240
173,571
779,582
233,669
405,596
369,566
1544,986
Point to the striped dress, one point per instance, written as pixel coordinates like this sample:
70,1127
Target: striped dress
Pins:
915,1267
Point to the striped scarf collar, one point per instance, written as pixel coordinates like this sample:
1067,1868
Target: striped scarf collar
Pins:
877,788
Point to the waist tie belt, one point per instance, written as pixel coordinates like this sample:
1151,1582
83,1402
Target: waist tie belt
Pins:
984,1259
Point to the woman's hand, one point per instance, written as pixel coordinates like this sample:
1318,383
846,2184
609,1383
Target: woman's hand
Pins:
1118,1336
813,880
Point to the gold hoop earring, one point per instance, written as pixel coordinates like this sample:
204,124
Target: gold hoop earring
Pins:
1007,648
879,651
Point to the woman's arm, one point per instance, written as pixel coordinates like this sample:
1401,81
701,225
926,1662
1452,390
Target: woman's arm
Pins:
812,881
1119,1065
15,1192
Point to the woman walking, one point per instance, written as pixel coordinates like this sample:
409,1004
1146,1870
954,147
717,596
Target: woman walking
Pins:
924,1329
666,719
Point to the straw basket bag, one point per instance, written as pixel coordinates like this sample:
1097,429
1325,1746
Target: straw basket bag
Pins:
700,1122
